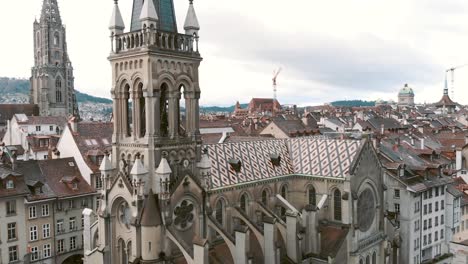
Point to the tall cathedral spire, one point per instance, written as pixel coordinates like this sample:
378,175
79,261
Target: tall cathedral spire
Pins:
50,12
52,81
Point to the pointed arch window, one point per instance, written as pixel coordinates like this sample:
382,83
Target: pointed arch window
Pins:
367,260
58,90
128,110
265,197
284,191
374,258
164,110
141,110
219,212
56,39
182,111
337,205
243,202
312,195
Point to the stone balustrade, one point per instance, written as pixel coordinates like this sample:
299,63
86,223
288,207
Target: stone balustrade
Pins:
154,39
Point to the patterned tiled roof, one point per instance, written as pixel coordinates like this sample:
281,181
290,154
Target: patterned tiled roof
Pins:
322,157
309,155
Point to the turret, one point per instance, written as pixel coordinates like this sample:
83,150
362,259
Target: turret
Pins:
161,183
191,24
204,167
148,16
106,170
116,25
139,176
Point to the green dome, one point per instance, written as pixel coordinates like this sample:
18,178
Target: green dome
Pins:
406,90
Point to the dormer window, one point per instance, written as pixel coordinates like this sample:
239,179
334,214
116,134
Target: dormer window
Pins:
402,171
235,164
10,184
75,186
275,159
43,142
38,190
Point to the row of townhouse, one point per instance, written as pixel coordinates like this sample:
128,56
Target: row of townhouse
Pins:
41,204
422,203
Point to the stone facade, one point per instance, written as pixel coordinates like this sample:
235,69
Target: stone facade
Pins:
309,199
406,96
52,81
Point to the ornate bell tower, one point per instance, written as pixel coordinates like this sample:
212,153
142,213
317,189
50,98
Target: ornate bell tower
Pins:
154,71
52,81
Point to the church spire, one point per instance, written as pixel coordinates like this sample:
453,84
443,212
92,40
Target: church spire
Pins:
116,24
446,86
50,12
191,24
148,15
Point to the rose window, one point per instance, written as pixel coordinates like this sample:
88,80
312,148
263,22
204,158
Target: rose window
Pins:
183,215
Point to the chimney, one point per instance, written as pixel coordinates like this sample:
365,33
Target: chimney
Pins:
56,154
422,143
412,141
73,124
382,129
466,139
459,159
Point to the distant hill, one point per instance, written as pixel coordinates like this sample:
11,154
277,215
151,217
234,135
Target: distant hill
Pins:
21,86
353,103
14,86
216,109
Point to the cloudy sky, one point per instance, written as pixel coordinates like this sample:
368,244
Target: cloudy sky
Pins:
329,50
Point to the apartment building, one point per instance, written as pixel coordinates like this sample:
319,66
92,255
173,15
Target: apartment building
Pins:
13,192
46,223
36,135
461,233
422,205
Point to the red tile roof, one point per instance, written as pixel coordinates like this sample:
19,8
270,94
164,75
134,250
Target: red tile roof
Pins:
56,170
92,139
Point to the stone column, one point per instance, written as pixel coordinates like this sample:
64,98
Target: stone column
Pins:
269,240
196,114
87,234
200,251
124,114
189,108
115,107
242,245
292,241
173,114
136,115
312,239
156,114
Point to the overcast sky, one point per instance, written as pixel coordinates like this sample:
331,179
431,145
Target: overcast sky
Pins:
329,50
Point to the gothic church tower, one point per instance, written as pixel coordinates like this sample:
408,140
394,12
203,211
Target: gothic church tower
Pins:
52,81
156,139
155,70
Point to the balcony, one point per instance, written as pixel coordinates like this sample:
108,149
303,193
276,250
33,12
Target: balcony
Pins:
154,39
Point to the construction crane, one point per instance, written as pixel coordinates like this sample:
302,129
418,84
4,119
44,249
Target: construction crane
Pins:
275,76
452,75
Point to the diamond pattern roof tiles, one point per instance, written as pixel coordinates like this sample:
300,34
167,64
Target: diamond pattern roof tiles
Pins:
315,156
